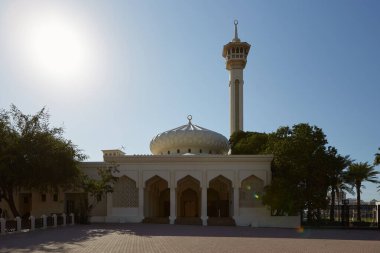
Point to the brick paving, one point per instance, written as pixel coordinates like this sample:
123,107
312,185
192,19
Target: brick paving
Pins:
107,238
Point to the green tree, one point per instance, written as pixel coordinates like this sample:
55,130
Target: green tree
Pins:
301,168
248,143
299,153
357,174
34,156
96,188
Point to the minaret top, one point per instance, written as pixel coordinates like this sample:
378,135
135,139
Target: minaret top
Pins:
236,38
236,52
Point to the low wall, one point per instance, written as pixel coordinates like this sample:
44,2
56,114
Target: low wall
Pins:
260,217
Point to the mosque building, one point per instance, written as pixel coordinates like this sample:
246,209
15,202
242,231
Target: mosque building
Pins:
190,177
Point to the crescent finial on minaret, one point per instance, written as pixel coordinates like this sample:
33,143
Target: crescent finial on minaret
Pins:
236,38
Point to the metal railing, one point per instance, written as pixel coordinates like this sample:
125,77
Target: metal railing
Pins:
346,216
32,223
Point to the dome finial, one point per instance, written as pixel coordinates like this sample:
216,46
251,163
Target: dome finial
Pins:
236,38
189,117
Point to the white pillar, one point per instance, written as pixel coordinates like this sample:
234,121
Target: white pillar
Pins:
64,219
141,203
44,221
72,219
173,205
2,226
55,220
32,223
236,203
18,220
204,206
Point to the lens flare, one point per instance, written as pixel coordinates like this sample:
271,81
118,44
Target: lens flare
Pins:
300,230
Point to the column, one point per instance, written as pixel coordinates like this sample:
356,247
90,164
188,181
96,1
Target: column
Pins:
64,219
44,221
18,220
55,220
236,203
2,226
32,223
173,205
72,219
204,206
141,203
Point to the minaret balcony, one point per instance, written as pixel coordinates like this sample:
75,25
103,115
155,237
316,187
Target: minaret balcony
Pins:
236,56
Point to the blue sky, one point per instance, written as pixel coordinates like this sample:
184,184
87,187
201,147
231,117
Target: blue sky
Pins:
148,64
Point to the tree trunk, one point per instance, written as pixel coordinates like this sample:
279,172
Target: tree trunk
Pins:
339,202
359,217
11,202
332,205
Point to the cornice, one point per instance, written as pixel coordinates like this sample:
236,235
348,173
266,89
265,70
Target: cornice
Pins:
182,159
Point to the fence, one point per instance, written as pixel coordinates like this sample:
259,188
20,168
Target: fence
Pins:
347,216
32,223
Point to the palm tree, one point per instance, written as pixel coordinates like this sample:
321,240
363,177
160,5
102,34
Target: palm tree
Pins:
338,190
377,159
335,164
358,173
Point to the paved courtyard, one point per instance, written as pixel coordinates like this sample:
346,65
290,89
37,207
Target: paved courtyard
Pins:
181,238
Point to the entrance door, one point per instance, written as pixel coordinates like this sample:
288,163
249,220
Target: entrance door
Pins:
189,201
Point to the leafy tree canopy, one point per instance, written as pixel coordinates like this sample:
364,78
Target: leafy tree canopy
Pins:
303,167
34,155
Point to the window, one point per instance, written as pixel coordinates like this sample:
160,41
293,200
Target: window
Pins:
43,197
178,151
200,151
168,152
210,152
55,197
233,50
189,150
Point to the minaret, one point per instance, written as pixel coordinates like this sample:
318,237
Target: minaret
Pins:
235,53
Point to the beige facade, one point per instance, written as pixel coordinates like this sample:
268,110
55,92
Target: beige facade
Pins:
197,187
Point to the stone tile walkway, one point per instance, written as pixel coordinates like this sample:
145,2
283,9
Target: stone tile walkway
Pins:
107,238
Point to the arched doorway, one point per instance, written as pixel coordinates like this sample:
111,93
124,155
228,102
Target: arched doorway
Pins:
219,197
188,201
156,198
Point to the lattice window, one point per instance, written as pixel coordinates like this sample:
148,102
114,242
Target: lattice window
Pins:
125,193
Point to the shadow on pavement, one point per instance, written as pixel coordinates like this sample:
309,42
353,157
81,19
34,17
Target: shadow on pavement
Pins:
62,239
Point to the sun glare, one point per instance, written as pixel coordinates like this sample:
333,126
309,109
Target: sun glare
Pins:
50,44
55,49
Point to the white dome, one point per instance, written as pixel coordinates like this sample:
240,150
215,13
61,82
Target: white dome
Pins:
189,139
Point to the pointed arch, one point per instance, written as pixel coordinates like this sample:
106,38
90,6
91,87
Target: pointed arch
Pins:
188,197
219,196
251,192
156,197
